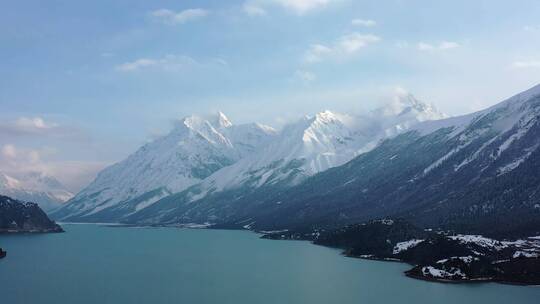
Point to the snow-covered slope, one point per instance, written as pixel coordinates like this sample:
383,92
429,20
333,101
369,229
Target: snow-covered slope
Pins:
35,187
326,140
490,132
477,173
211,155
192,151
467,173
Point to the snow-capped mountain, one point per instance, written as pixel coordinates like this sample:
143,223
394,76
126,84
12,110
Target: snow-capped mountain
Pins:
35,187
202,159
477,173
315,144
193,150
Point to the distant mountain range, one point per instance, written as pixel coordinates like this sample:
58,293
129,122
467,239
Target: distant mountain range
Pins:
35,187
205,158
476,172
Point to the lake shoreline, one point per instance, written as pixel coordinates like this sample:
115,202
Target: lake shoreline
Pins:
145,265
265,234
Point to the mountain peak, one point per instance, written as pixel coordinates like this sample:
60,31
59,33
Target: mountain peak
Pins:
34,178
222,120
405,103
321,118
217,121
408,101
326,116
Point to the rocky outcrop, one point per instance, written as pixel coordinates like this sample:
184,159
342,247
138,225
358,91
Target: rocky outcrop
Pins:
17,216
437,256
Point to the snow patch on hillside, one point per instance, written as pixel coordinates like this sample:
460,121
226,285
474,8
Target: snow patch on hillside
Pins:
406,245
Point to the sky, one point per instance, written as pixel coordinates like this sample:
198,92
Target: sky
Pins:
84,83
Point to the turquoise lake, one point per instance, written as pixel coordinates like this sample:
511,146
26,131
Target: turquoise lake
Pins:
99,264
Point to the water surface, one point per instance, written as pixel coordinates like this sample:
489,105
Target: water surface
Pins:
98,264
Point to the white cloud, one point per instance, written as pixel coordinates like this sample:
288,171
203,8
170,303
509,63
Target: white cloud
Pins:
317,52
23,158
300,7
9,151
425,46
252,9
526,64
35,126
172,17
13,158
351,43
444,45
168,62
34,123
73,174
303,6
305,76
363,22
346,45
136,65
37,130
448,45
34,156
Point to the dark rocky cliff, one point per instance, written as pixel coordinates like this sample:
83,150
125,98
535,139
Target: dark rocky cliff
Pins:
17,216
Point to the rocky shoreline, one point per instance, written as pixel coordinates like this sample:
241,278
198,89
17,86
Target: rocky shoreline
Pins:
435,256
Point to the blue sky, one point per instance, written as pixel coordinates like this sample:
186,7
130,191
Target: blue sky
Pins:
84,83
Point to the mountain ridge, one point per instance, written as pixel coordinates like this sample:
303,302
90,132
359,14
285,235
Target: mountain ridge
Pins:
332,169
303,148
473,175
195,148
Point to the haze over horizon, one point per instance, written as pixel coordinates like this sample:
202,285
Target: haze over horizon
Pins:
84,84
